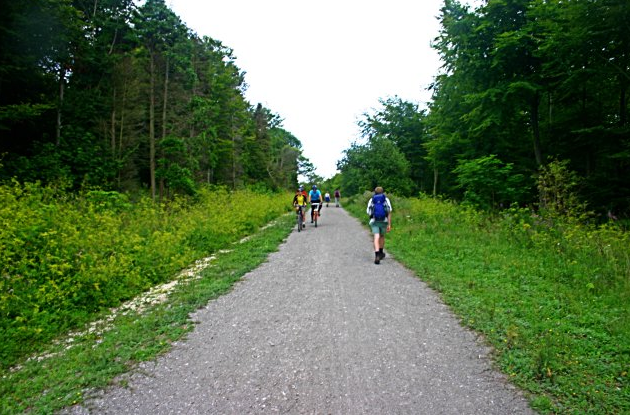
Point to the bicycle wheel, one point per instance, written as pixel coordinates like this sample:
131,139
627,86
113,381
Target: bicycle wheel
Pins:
299,222
315,216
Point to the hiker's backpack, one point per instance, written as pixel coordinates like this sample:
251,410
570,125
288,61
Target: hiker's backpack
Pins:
379,207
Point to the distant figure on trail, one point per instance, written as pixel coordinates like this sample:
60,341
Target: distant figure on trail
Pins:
315,196
337,196
299,200
379,208
327,198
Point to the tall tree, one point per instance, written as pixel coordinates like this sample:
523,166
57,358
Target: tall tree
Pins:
404,124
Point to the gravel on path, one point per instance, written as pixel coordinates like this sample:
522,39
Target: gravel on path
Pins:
320,329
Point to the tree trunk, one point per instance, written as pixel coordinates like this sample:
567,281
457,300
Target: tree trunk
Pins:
534,119
623,117
112,130
119,155
152,125
435,180
164,107
62,81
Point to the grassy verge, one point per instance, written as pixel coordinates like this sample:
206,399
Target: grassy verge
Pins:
64,378
551,298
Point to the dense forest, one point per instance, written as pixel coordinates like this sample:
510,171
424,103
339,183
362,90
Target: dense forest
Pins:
531,106
121,96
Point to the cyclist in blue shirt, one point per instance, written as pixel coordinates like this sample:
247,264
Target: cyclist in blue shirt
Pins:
315,196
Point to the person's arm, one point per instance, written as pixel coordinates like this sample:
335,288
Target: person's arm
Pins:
389,215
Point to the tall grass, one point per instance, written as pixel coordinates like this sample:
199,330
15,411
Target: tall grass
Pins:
551,296
64,259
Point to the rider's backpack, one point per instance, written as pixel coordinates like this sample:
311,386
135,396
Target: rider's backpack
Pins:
379,207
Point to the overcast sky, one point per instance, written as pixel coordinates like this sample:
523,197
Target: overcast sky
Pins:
321,65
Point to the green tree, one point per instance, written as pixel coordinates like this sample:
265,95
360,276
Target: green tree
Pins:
377,163
404,124
488,183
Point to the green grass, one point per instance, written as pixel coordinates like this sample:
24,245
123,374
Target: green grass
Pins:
94,362
552,298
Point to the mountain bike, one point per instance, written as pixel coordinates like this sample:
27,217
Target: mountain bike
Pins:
300,217
315,207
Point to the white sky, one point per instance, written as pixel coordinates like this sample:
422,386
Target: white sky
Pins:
321,65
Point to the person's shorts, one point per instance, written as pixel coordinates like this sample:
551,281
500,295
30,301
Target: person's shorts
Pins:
379,227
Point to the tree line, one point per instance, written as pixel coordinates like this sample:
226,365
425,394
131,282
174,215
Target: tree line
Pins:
531,104
122,96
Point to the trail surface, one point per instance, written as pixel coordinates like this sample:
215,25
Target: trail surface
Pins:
320,329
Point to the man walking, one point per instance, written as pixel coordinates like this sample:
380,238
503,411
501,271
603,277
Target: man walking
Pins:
379,208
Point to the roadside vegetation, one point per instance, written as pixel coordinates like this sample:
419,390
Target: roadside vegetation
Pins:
549,293
71,260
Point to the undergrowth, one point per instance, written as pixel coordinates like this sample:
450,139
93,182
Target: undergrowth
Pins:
65,259
65,376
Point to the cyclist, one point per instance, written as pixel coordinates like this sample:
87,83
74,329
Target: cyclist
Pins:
300,200
315,196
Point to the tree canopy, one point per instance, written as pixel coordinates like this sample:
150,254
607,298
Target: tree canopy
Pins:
125,96
524,83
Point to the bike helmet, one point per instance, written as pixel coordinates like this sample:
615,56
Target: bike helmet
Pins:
314,187
301,187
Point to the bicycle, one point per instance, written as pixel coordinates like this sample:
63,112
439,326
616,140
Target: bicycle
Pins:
300,217
315,207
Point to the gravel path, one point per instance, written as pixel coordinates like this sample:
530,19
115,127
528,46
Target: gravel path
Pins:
320,329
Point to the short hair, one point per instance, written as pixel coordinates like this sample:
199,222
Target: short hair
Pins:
378,190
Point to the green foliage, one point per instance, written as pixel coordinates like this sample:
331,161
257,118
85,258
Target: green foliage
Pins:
121,95
404,124
527,79
378,163
557,188
66,258
489,183
550,296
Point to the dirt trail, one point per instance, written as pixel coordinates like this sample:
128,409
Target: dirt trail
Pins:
320,329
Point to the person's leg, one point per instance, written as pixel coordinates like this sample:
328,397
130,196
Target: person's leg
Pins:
381,245
377,244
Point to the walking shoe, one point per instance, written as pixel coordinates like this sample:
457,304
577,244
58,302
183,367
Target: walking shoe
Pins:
377,259
382,255
304,225
311,220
